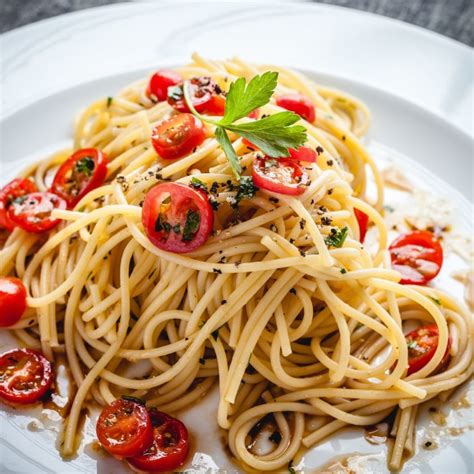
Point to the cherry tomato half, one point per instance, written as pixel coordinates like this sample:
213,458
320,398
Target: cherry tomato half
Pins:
170,445
12,300
362,220
422,344
32,212
205,96
177,136
14,189
157,89
177,218
82,172
25,376
417,255
124,428
299,104
280,175
303,153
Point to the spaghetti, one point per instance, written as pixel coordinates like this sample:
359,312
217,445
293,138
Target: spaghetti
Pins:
288,326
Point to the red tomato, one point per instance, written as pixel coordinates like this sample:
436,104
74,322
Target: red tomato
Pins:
422,344
204,93
12,300
177,218
279,175
124,428
14,189
303,153
299,104
157,89
82,172
178,136
362,220
32,212
417,255
25,376
170,445
255,114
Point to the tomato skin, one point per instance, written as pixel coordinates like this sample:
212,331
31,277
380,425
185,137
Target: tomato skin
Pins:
285,176
204,94
177,136
12,300
418,256
25,376
184,200
72,185
362,220
14,189
124,428
299,104
255,114
425,342
157,89
33,214
170,445
303,153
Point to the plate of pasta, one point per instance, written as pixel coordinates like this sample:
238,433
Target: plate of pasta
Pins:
217,267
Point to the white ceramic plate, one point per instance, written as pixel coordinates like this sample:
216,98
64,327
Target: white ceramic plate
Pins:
73,70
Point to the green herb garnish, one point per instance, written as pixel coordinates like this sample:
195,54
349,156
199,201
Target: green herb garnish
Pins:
85,166
109,101
191,226
436,300
336,238
273,134
198,184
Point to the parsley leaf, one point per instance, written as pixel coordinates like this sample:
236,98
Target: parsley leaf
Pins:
191,226
243,98
273,134
196,183
247,188
226,144
337,238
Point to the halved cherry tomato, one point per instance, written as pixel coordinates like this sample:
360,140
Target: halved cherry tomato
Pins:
25,376
157,89
205,96
32,212
177,136
82,172
124,428
12,300
303,153
279,175
362,220
255,114
14,189
177,218
170,445
299,104
417,255
422,344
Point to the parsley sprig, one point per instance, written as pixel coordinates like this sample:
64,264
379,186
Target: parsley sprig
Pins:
273,134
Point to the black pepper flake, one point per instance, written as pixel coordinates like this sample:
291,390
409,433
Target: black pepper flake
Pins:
312,201
237,264
223,301
274,200
293,291
319,150
428,444
330,191
330,162
433,409
292,241
158,176
302,253
216,270
326,220
221,260
343,138
302,223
